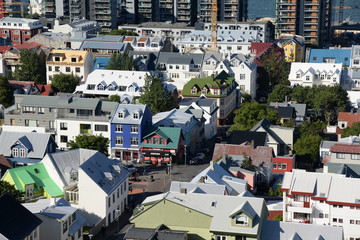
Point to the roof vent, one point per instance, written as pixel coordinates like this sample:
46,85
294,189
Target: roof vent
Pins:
183,190
213,204
36,170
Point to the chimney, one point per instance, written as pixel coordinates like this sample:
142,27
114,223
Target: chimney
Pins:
286,99
212,165
253,144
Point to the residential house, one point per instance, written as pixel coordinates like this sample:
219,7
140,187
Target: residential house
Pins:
300,110
192,187
191,128
16,221
221,87
261,51
34,181
128,123
79,63
294,48
19,30
282,164
216,175
26,148
203,216
344,154
285,114
162,145
144,61
332,55
347,119
281,139
209,109
96,185
145,43
51,39
309,74
59,219
228,41
323,199
105,49
355,57
260,156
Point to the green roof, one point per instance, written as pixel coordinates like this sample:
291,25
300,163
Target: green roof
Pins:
221,81
39,177
172,134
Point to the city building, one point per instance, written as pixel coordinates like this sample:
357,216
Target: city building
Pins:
79,63
128,124
55,8
308,18
282,164
335,55
14,8
228,11
19,30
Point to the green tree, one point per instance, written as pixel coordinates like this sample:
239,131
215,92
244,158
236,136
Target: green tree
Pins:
98,143
247,164
6,187
31,69
299,94
246,97
275,191
290,124
156,96
354,130
120,32
312,128
6,92
114,98
279,93
250,113
65,82
307,146
120,61
278,218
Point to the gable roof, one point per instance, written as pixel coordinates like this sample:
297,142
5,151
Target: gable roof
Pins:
201,188
128,110
239,137
284,112
172,134
246,208
350,118
16,222
345,148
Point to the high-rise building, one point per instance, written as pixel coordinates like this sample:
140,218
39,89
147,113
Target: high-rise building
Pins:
228,10
308,18
55,8
13,8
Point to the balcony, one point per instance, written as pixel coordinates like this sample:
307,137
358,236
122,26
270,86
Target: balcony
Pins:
182,6
287,2
300,207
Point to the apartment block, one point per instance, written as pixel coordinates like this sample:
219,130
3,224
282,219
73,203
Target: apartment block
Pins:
228,10
308,18
56,8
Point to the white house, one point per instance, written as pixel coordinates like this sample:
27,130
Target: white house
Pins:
144,43
309,74
228,41
60,221
94,184
324,199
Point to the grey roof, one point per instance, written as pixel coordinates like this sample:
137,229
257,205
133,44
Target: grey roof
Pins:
165,56
215,55
265,124
140,233
128,110
199,101
300,108
57,37
36,143
327,144
68,162
103,172
349,170
171,234
287,230
197,188
104,45
180,60
245,208
104,38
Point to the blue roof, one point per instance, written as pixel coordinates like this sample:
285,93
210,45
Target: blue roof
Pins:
340,55
101,62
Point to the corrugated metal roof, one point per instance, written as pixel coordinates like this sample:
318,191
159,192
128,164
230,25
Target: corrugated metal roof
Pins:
345,148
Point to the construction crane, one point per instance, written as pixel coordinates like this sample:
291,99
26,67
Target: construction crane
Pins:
214,10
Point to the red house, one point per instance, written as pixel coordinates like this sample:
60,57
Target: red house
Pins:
19,30
261,50
282,164
162,145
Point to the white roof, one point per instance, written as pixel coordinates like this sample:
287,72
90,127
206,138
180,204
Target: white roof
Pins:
197,188
204,36
344,190
319,68
185,121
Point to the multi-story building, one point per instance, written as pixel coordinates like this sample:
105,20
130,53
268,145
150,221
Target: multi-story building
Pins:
324,199
13,8
128,124
56,8
221,87
308,18
19,30
79,63
294,48
228,10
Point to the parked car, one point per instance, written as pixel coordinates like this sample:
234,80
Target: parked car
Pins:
129,166
200,156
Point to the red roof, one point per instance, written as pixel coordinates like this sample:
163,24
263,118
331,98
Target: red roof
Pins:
350,118
259,47
262,49
4,48
260,155
344,148
20,84
28,45
45,90
4,162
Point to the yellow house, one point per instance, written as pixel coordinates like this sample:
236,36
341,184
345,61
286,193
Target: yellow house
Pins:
294,48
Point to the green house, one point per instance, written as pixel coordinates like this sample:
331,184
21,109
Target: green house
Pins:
33,180
204,216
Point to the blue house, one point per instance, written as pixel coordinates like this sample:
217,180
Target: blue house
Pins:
26,148
127,130
329,56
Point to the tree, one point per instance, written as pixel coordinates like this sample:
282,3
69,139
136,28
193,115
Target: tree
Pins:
120,61
156,96
247,164
279,93
250,113
275,191
114,98
354,130
6,92
308,147
6,187
30,69
246,97
299,94
65,82
98,143
120,32
312,128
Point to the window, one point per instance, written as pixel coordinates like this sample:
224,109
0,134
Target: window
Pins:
352,221
15,152
155,140
73,59
77,70
134,141
67,69
119,140
22,152
135,115
193,90
118,193
340,155
63,126
284,166
118,128
100,87
356,62
204,91
242,76
218,237
57,59
134,128
65,227
274,165
298,75
335,220
101,128
162,141
41,110
63,138
321,215
239,47
216,92
307,78
241,220
121,114
242,87
109,202
49,68
113,197
73,216
357,222
340,220
57,69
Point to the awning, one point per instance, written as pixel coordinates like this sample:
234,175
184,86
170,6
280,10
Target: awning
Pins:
152,153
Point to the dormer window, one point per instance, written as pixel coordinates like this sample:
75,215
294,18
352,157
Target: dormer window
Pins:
298,75
100,87
22,152
57,59
194,90
307,78
241,220
204,90
121,114
111,88
15,152
73,59
135,115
